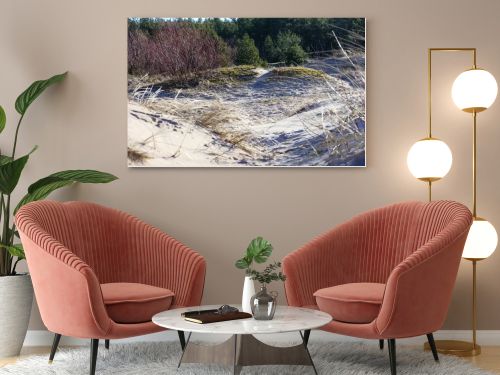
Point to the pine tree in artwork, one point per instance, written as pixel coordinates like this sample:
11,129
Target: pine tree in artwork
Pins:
247,52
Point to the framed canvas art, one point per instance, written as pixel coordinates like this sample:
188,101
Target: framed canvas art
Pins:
246,92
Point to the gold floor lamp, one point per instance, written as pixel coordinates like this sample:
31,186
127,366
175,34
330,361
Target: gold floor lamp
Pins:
430,159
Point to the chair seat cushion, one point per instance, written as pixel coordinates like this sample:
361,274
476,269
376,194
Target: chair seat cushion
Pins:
135,303
351,303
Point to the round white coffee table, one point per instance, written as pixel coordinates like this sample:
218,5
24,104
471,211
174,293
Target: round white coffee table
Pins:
242,348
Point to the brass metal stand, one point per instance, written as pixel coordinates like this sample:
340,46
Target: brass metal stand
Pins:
430,180
455,347
463,348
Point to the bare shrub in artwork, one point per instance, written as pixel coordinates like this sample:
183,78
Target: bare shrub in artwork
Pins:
175,50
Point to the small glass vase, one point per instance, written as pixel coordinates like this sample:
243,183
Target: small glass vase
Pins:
263,304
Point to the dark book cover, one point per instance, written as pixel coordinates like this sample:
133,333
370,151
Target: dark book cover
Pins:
212,317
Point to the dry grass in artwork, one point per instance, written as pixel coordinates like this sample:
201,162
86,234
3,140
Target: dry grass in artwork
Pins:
136,157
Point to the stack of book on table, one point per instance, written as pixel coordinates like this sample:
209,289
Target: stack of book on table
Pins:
213,316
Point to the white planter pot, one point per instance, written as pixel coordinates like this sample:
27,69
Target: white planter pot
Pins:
248,292
16,298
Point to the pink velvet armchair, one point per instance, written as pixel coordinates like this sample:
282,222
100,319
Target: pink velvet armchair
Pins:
385,274
99,273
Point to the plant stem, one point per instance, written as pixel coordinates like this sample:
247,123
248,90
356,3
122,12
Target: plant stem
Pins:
3,254
13,271
12,234
15,137
11,242
6,235
3,251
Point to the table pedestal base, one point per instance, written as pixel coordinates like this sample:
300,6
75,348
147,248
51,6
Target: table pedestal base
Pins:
246,350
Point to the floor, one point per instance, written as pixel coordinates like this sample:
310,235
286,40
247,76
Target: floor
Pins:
488,360
25,353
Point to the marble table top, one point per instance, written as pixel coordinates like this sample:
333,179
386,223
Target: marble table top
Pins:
286,319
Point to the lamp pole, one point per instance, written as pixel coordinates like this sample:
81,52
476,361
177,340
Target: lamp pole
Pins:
454,347
474,215
429,96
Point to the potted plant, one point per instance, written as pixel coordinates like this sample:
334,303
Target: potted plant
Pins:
258,251
16,291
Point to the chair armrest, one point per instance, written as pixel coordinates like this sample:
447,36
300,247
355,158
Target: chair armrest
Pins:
66,289
419,289
321,263
165,262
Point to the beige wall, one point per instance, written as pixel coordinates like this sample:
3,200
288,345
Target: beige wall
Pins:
83,124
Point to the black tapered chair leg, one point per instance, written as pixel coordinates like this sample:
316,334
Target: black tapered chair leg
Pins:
381,344
55,344
106,344
94,346
182,339
392,355
307,333
432,344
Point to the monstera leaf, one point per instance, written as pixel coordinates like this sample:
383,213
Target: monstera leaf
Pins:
31,93
242,263
258,250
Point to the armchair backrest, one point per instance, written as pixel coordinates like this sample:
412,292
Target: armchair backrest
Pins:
386,236
94,233
368,247
379,241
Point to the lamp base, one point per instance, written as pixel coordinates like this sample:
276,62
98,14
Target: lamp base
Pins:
456,348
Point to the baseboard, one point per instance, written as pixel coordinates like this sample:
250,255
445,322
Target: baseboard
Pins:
484,337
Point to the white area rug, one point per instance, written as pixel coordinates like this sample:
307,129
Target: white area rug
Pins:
162,358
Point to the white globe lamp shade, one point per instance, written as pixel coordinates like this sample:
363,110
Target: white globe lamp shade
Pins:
474,90
429,159
481,241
